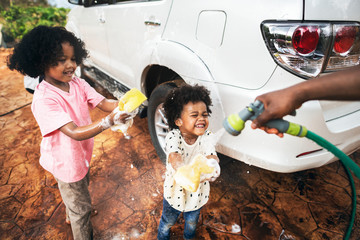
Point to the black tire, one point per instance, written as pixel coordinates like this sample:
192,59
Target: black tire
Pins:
157,122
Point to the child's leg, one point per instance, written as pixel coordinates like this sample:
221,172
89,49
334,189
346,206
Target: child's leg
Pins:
67,219
168,219
77,200
191,220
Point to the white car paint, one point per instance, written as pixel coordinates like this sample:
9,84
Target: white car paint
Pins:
219,44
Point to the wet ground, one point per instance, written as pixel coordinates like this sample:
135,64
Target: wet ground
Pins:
126,186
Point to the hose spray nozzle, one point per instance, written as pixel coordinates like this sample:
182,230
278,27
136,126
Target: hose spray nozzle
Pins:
235,123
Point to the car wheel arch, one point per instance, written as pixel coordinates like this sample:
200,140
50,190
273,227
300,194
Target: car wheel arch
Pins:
154,75
182,60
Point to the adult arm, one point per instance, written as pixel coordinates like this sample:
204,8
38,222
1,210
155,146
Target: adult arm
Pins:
343,85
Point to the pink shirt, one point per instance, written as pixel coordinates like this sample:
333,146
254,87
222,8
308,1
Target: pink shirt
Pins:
67,159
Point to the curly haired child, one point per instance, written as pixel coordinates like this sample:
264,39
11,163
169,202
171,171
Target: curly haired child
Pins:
60,106
187,110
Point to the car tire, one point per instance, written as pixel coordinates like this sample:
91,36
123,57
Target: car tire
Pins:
157,122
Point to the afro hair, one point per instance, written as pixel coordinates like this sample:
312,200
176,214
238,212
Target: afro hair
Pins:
41,48
178,97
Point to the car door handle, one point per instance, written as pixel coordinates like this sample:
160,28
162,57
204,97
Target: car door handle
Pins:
152,23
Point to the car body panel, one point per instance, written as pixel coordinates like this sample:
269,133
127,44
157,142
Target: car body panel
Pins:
280,154
90,26
149,20
220,45
242,32
346,10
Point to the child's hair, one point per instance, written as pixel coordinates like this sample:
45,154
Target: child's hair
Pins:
178,97
41,48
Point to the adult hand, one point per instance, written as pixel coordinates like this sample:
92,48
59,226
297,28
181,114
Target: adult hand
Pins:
277,104
342,85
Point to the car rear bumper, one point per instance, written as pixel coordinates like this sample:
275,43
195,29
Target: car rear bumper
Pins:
288,154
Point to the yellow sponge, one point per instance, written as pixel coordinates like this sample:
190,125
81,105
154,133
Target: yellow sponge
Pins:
131,100
188,176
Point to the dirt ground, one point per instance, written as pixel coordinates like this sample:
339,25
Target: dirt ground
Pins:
126,187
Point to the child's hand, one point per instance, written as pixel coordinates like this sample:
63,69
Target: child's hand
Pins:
120,118
117,117
216,173
211,177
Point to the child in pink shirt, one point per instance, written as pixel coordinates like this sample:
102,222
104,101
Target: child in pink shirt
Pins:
60,106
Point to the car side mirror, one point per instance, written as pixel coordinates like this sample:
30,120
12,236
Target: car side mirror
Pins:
85,3
88,3
76,2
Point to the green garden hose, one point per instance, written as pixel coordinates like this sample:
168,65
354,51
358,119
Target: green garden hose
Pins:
347,163
235,123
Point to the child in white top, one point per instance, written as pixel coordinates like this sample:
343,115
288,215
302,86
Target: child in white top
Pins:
187,109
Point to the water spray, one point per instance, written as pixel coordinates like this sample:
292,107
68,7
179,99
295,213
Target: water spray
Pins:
235,123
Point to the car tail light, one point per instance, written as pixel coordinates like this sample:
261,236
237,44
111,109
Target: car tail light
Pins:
305,39
344,39
310,48
346,48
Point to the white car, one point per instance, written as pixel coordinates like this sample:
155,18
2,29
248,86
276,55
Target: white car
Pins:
238,50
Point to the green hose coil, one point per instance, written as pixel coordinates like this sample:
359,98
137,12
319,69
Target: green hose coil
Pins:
347,163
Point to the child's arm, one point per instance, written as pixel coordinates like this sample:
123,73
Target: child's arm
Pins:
175,160
107,105
85,132
213,157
